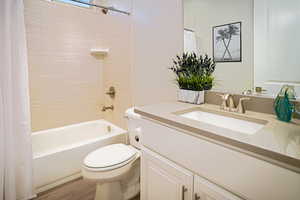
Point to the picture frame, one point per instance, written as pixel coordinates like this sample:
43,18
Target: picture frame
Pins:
227,42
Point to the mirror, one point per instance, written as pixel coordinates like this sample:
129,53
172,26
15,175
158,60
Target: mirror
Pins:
254,42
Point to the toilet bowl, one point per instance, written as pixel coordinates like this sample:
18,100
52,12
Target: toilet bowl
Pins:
116,167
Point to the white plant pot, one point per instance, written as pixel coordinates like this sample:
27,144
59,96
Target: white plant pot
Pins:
190,96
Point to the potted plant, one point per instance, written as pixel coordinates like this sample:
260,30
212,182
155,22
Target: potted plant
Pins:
193,76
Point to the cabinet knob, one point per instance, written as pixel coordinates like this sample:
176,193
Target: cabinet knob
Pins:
197,197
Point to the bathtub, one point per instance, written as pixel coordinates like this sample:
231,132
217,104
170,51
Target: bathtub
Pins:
58,153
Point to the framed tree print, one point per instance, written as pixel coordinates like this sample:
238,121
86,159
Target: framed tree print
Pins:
227,42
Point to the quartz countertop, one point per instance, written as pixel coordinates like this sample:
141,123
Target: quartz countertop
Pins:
277,142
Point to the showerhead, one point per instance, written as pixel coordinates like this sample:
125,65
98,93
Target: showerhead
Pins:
104,11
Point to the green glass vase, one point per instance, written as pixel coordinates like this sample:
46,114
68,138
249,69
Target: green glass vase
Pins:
284,108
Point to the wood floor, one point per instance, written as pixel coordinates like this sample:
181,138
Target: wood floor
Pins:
79,189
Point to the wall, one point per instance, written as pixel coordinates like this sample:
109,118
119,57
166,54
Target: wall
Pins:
157,38
202,15
67,83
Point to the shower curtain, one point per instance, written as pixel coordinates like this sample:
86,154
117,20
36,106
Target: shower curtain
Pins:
15,131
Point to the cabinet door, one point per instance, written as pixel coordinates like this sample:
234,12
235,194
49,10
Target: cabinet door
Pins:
163,180
205,190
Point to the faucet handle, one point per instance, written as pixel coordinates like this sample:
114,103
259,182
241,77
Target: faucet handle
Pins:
231,104
241,107
224,97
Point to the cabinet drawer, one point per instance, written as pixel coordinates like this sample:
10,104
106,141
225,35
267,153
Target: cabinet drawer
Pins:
242,174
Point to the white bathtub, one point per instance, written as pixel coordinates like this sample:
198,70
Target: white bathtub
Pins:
58,153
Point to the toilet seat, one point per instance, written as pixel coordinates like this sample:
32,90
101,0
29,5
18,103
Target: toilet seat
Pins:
110,157
98,165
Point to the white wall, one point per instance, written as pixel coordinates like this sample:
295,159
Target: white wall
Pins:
157,38
202,15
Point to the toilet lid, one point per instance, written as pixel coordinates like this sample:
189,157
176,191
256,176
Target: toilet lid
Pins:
109,156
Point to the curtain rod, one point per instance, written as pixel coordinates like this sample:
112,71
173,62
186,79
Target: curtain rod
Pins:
103,7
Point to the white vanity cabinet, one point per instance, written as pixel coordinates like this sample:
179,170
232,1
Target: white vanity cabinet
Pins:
174,161
162,179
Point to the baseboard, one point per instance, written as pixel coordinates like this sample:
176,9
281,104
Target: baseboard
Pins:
57,183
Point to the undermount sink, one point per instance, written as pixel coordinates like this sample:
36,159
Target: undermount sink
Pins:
226,120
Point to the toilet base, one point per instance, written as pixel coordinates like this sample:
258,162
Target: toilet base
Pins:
109,191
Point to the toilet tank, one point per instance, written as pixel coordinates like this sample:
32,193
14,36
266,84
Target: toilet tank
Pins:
134,129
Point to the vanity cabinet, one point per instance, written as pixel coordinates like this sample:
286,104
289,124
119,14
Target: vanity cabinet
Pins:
227,173
162,179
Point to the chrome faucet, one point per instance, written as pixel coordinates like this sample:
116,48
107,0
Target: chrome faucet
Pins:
231,107
104,108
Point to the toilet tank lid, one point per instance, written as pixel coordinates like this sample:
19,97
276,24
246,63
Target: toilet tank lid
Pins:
131,114
109,156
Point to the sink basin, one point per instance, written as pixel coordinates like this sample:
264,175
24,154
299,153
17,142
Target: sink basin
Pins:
226,120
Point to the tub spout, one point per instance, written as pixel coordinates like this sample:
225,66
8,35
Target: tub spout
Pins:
104,108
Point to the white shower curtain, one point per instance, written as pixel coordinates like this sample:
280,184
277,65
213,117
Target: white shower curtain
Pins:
15,140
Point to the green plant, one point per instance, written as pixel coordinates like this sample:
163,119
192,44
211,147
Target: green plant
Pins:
208,82
194,72
190,83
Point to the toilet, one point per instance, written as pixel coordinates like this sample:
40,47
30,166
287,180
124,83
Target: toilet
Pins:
116,167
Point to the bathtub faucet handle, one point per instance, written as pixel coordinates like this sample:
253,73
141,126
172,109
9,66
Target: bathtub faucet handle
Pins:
111,92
